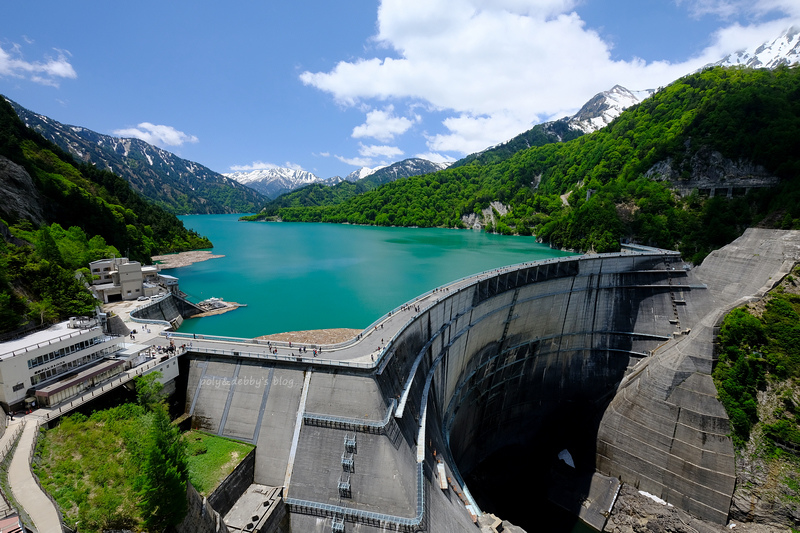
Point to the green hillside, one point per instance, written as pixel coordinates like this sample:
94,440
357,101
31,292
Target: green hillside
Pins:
56,215
744,114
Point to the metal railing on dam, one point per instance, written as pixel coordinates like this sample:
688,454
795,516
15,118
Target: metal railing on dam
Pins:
367,517
482,286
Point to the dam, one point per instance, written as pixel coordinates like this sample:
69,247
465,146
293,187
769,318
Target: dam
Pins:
608,356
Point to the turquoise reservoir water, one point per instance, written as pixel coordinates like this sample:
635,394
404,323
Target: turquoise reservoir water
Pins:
297,276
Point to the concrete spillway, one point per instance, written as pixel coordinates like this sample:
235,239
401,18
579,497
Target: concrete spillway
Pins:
621,343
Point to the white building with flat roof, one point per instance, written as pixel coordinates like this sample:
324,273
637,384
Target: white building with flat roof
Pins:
119,279
41,358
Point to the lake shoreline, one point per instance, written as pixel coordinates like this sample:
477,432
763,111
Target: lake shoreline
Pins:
182,259
314,336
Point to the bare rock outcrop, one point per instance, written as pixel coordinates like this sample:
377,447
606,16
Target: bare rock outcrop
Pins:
486,218
20,199
712,174
637,513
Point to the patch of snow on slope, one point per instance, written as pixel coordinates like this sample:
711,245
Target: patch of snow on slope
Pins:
362,173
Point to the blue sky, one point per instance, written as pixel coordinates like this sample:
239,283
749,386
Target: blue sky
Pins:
332,86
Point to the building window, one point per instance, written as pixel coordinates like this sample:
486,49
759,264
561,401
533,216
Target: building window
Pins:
63,352
18,386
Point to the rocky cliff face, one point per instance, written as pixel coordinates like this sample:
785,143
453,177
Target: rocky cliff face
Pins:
764,492
712,174
20,199
486,218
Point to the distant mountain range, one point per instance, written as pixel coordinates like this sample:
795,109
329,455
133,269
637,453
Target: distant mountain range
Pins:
595,114
274,182
177,185
355,183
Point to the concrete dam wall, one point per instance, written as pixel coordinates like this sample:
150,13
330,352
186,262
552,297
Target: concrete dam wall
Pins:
608,356
535,349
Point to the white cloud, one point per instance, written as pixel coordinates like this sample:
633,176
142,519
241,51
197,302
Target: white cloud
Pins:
383,125
47,72
498,66
157,134
730,8
470,134
436,157
355,161
261,165
369,153
373,150
735,37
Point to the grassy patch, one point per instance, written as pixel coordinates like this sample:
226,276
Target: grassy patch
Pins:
212,458
91,465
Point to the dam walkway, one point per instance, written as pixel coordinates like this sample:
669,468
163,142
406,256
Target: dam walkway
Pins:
372,348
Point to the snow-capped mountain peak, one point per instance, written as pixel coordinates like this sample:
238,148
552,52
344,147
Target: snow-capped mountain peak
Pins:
362,173
604,107
272,182
783,50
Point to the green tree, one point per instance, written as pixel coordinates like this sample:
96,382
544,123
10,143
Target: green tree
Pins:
164,473
46,246
43,311
149,390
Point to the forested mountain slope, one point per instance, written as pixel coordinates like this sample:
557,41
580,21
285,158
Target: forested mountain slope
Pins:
56,216
177,185
592,191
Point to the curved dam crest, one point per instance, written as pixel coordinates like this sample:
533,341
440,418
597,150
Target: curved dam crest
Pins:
621,345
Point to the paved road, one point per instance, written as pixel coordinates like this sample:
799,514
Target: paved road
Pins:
26,491
8,438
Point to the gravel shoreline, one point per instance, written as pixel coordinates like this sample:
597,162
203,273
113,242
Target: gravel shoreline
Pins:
183,259
314,336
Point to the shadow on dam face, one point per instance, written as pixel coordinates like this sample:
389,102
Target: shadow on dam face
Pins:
516,482
507,447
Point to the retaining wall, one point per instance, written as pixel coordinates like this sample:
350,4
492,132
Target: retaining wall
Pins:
169,308
201,518
233,486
